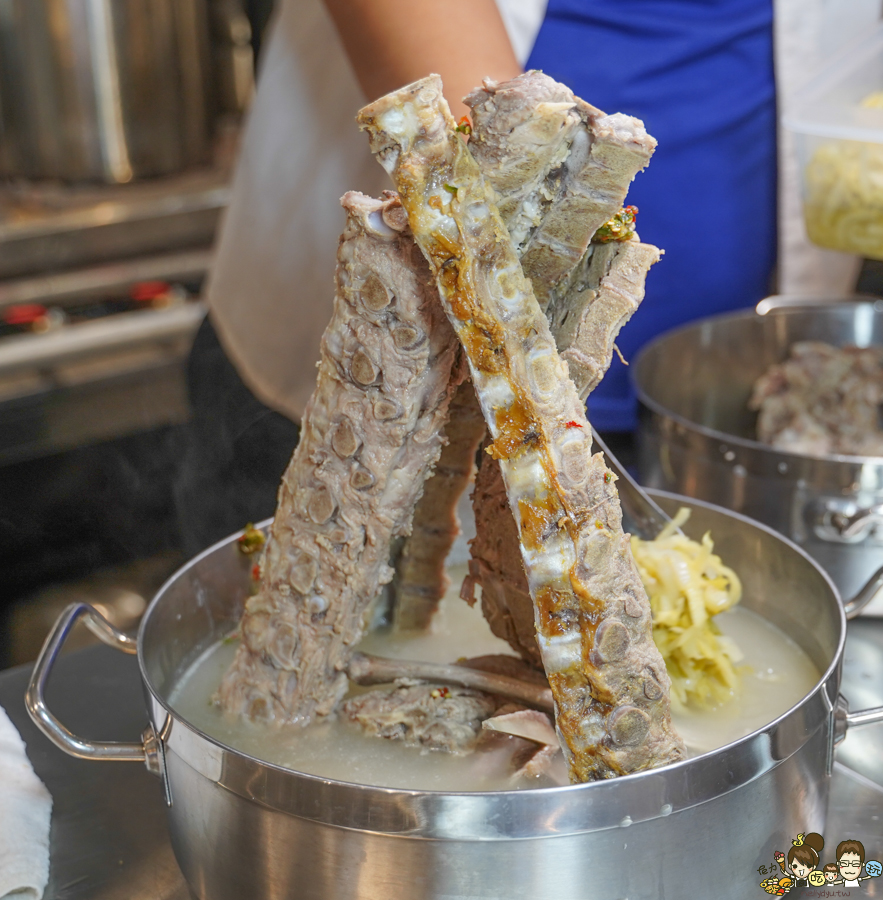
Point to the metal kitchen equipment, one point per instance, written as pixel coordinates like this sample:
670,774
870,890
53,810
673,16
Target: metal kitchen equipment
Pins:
97,91
697,434
100,373
242,827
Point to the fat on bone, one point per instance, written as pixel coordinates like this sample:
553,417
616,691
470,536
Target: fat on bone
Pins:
577,558
370,436
558,166
530,724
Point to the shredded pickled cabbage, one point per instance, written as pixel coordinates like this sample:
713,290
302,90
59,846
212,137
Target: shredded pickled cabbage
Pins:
843,202
688,585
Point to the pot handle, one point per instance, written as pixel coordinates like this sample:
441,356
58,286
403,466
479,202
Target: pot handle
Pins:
864,596
844,719
798,301
148,751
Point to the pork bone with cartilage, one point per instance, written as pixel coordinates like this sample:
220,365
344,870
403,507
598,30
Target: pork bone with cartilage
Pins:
539,146
370,435
558,166
602,294
592,615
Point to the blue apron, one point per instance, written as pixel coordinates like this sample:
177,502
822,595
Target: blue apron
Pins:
700,75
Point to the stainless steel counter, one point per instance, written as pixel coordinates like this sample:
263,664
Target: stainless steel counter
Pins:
109,834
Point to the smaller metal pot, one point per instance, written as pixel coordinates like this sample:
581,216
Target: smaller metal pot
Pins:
697,435
241,827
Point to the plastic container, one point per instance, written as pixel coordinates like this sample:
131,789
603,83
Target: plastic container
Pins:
837,120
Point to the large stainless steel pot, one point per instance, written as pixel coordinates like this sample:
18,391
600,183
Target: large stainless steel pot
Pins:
697,435
94,90
241,827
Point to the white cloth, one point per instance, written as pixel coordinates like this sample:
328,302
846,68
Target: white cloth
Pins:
522,19
25,812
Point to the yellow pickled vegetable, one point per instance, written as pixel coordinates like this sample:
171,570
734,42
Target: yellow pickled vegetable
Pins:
688,585
843,202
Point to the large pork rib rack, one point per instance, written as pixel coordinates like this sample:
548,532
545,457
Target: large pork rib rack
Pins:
370,436
561,169
593,620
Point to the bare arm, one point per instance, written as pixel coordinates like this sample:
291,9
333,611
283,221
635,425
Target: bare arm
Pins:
391,43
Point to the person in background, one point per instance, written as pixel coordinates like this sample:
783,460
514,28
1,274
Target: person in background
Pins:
698,72
700,75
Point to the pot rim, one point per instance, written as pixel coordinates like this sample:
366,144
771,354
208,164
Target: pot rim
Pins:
757,456
530,813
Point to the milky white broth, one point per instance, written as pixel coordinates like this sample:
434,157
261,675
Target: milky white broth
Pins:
780,676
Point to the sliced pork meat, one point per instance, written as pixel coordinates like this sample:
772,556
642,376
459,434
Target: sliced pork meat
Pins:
371,434
591,612
822,400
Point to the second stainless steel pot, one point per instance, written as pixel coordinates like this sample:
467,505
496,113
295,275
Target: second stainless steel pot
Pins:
94,90
697,435
241,827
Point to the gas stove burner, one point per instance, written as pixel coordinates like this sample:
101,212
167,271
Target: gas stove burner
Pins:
97,353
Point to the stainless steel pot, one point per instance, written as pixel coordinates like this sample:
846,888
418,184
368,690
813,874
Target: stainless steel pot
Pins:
697,435
241,827
94,90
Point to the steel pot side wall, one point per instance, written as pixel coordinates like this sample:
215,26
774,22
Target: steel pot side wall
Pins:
229,848
670,460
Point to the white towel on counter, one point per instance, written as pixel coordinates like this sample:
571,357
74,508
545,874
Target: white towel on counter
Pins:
25,811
